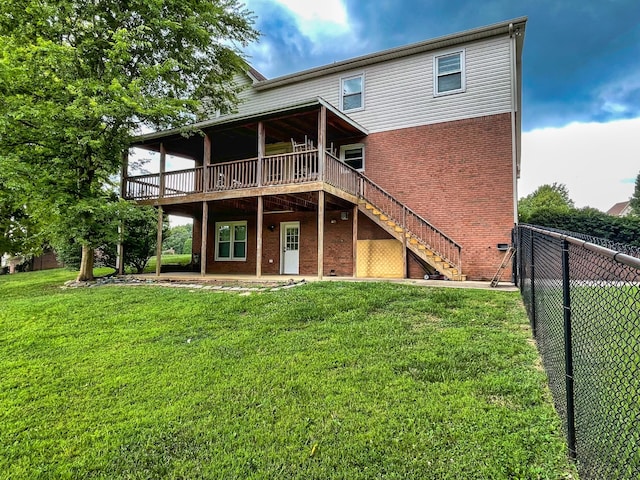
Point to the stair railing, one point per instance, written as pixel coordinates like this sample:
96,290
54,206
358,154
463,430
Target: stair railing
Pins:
340,175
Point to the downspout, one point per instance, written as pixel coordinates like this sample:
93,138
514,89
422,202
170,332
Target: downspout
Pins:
514,107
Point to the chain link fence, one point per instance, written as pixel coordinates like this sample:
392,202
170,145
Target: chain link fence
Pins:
583,302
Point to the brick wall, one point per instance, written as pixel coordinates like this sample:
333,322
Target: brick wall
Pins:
338,244
458,175
338,240
46,261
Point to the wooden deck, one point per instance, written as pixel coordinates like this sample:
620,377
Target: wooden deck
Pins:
309,170
276,174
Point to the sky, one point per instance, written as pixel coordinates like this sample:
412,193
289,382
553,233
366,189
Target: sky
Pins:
581,73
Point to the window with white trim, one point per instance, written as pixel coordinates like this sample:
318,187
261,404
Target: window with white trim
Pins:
231,241
353,155
448,73
352,93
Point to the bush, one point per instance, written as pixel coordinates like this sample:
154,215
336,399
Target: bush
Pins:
590,221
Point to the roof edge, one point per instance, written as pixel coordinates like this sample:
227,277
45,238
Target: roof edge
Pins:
227,119
397,52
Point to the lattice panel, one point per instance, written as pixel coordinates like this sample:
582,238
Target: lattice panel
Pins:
379,259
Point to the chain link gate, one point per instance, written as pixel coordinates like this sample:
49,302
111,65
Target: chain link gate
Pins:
583,301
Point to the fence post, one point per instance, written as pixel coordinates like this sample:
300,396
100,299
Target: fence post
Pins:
532,268
515,235
568,350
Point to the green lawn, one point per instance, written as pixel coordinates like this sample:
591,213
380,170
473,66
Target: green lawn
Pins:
167,259
321,381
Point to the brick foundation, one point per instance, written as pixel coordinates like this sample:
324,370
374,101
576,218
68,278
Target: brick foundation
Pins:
338,241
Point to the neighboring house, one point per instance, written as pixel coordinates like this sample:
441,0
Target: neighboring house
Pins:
393,164
621,209
46,261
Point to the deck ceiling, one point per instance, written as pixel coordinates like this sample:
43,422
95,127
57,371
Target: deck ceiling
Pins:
239,139
299,202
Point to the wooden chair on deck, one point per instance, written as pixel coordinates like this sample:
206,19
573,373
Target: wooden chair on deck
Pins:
302,168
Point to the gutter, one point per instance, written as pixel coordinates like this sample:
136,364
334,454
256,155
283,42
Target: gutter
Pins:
515,35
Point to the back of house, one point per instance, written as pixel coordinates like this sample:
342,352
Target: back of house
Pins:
398,163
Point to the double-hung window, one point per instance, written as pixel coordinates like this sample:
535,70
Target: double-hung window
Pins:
353,155
352,93
448,73
231,241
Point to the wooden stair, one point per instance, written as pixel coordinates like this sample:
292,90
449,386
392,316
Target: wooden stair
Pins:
415,244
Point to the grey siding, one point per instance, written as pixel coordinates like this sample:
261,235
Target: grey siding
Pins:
399,93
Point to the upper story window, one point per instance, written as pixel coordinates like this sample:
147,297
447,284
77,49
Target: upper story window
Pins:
352,93
448,73
231,241
353,155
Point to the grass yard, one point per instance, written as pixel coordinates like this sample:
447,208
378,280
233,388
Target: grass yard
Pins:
321,381
168,259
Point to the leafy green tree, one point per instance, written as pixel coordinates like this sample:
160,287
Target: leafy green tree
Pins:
635,198
20,232
78,78
176,238
546,197
138,238
188,246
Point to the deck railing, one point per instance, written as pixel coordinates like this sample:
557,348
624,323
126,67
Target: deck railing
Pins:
182,182
282,169
287,169
232,175
341,176
142,187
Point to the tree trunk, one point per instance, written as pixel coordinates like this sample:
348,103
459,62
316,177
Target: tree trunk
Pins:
86,265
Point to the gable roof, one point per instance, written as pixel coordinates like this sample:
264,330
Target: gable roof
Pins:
254,74
619,208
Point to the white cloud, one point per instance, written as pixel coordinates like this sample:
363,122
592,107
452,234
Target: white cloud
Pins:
594,160
332,11
319,19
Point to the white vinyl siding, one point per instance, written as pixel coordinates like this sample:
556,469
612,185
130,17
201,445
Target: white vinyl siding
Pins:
399,93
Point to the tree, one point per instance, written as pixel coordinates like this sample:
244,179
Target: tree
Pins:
138,238
20,233
635,198
176,238
546,197
78,78
188,246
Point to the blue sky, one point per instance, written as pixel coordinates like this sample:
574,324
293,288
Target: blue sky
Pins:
581,66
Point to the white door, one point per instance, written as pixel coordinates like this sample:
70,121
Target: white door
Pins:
290,246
